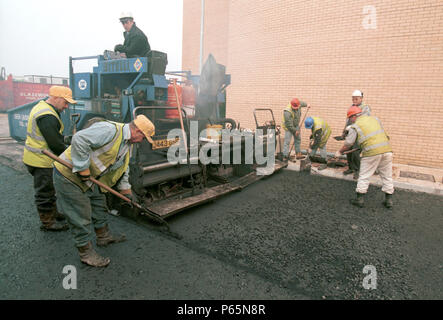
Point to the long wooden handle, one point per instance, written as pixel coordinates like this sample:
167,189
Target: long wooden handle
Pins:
300,123
350,151
100,184
174,82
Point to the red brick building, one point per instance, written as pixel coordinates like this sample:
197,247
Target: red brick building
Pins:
321,51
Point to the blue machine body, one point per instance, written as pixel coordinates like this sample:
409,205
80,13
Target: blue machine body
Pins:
112,90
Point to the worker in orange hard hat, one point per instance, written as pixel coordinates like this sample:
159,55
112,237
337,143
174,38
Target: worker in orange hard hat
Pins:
291,124
353,158
368,134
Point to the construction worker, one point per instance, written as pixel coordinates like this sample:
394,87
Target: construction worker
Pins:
44,131
136,43
291,124
353,158
102,152
367,131
320,135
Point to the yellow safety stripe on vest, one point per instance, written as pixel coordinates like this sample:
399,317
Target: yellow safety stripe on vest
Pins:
94,155
381,143
362,137
326,130
33,134
35,141
35,150
106,176
291,111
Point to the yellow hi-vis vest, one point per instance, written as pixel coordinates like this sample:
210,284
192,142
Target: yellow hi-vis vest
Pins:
319,123
101,160
35,142
292,112
371,136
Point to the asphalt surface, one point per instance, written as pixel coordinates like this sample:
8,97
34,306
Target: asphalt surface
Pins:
289,236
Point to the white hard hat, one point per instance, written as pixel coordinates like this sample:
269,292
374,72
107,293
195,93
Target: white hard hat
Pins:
126,15
357,93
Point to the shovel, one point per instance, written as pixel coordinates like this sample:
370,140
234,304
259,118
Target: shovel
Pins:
299,126
330,161
150,214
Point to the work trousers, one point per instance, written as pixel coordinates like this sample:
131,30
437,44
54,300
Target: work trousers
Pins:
83,210
287,142
354,158
323,152
44,192
382,162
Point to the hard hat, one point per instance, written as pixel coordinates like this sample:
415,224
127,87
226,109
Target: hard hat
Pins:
146,126
357,93
353,110
295,103
126,15
309,122
62,92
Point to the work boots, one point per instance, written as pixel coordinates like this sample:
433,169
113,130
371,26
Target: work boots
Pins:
299,156
59,216
49,223
104,237
90,257
359,201
388,201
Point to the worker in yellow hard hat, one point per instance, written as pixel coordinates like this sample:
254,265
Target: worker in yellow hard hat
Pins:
45,131
100,151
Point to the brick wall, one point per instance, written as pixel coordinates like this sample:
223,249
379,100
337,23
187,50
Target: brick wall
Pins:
320,52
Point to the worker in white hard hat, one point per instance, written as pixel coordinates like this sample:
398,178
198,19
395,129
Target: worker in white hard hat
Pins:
353,158
357,100
136,43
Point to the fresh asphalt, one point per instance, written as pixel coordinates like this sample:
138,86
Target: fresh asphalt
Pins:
289,236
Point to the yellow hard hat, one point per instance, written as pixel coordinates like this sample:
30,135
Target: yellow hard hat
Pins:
62,92
146,126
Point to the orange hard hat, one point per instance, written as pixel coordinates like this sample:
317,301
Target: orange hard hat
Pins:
295,103
353,110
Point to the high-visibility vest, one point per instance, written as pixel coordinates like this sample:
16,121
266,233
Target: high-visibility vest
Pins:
35,142
101,160
293,114
319,123
371,136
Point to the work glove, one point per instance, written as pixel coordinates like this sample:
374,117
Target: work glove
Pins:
337,154
84,175
130,195
297,133
67,140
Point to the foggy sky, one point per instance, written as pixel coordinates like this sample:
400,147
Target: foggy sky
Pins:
37,37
